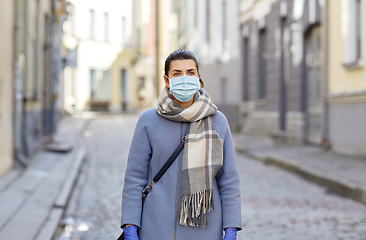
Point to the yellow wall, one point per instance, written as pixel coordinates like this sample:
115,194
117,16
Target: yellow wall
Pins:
123,61
6,47
95,52
96,55
340,79
168,37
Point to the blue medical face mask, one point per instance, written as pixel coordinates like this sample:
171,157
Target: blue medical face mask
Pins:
184,87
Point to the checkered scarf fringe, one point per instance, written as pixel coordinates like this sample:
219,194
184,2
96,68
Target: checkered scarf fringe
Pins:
202,155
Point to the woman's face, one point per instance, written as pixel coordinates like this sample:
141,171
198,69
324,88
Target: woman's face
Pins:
179,68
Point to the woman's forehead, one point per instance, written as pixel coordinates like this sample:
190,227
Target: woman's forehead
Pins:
183,64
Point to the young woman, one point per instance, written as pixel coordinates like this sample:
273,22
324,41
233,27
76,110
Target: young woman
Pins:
198,196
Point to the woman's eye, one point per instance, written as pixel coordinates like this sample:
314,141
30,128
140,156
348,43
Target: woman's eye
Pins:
175,74
191,73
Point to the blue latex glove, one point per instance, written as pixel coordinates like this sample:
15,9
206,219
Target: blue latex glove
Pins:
130,232
230,233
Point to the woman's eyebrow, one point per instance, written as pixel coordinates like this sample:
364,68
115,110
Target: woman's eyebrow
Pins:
177,70
189,70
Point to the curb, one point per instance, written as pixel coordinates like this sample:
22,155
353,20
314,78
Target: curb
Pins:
60,203
68,185
335,184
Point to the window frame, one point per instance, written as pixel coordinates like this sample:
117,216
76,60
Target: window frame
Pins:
355,38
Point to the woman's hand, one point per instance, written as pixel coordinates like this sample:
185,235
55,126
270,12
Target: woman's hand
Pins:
230,233
130,232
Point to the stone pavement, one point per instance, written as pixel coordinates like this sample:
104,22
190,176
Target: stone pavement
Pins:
344,175
94,209
281,205
33,200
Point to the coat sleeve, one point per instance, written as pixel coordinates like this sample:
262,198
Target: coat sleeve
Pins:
136,175
229,184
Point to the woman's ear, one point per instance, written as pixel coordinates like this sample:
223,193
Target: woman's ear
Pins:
166,80
202,84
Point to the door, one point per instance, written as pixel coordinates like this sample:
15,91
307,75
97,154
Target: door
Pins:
223,96
313,67
124,89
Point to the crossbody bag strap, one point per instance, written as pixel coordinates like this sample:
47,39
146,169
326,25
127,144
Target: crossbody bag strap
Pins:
165,167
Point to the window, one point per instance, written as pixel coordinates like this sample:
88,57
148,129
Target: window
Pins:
173,6
195,9
124,88
207,20
223,24
223,96
36,50
354,38
262,56
138,38
123,31
99,85
246,69
359,21
106,26
91,24
71,17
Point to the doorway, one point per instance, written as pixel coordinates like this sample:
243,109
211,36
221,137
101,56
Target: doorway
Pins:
124,89
313,69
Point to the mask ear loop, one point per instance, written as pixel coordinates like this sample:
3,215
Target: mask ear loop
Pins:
165,76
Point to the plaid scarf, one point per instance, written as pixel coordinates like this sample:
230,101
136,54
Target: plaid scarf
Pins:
202,155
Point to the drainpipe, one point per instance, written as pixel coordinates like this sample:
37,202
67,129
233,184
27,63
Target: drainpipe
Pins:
17,94
157,48
325,119
54,71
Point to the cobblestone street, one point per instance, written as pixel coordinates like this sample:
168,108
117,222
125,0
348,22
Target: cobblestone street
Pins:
276,204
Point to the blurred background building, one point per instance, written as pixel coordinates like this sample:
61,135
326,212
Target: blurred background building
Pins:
210,29
346,75
283,72
6,85
303,72
97,34
30,76
111,46
155,36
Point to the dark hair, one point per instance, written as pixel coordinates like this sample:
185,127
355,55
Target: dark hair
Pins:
179,54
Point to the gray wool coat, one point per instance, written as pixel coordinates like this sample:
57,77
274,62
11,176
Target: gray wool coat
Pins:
154,140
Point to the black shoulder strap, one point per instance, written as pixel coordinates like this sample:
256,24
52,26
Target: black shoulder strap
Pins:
168,163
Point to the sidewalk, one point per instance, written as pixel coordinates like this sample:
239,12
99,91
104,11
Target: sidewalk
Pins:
33,200
344,175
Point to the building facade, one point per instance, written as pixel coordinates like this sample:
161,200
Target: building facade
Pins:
283,74
154,38
6,79
210,29
30,75
346,76
143,43
96,33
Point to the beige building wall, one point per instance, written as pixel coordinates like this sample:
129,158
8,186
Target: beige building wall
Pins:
168,35
346,78
123,61
144,67
340,79
32,34
143,43
92,55
6,75
99,44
